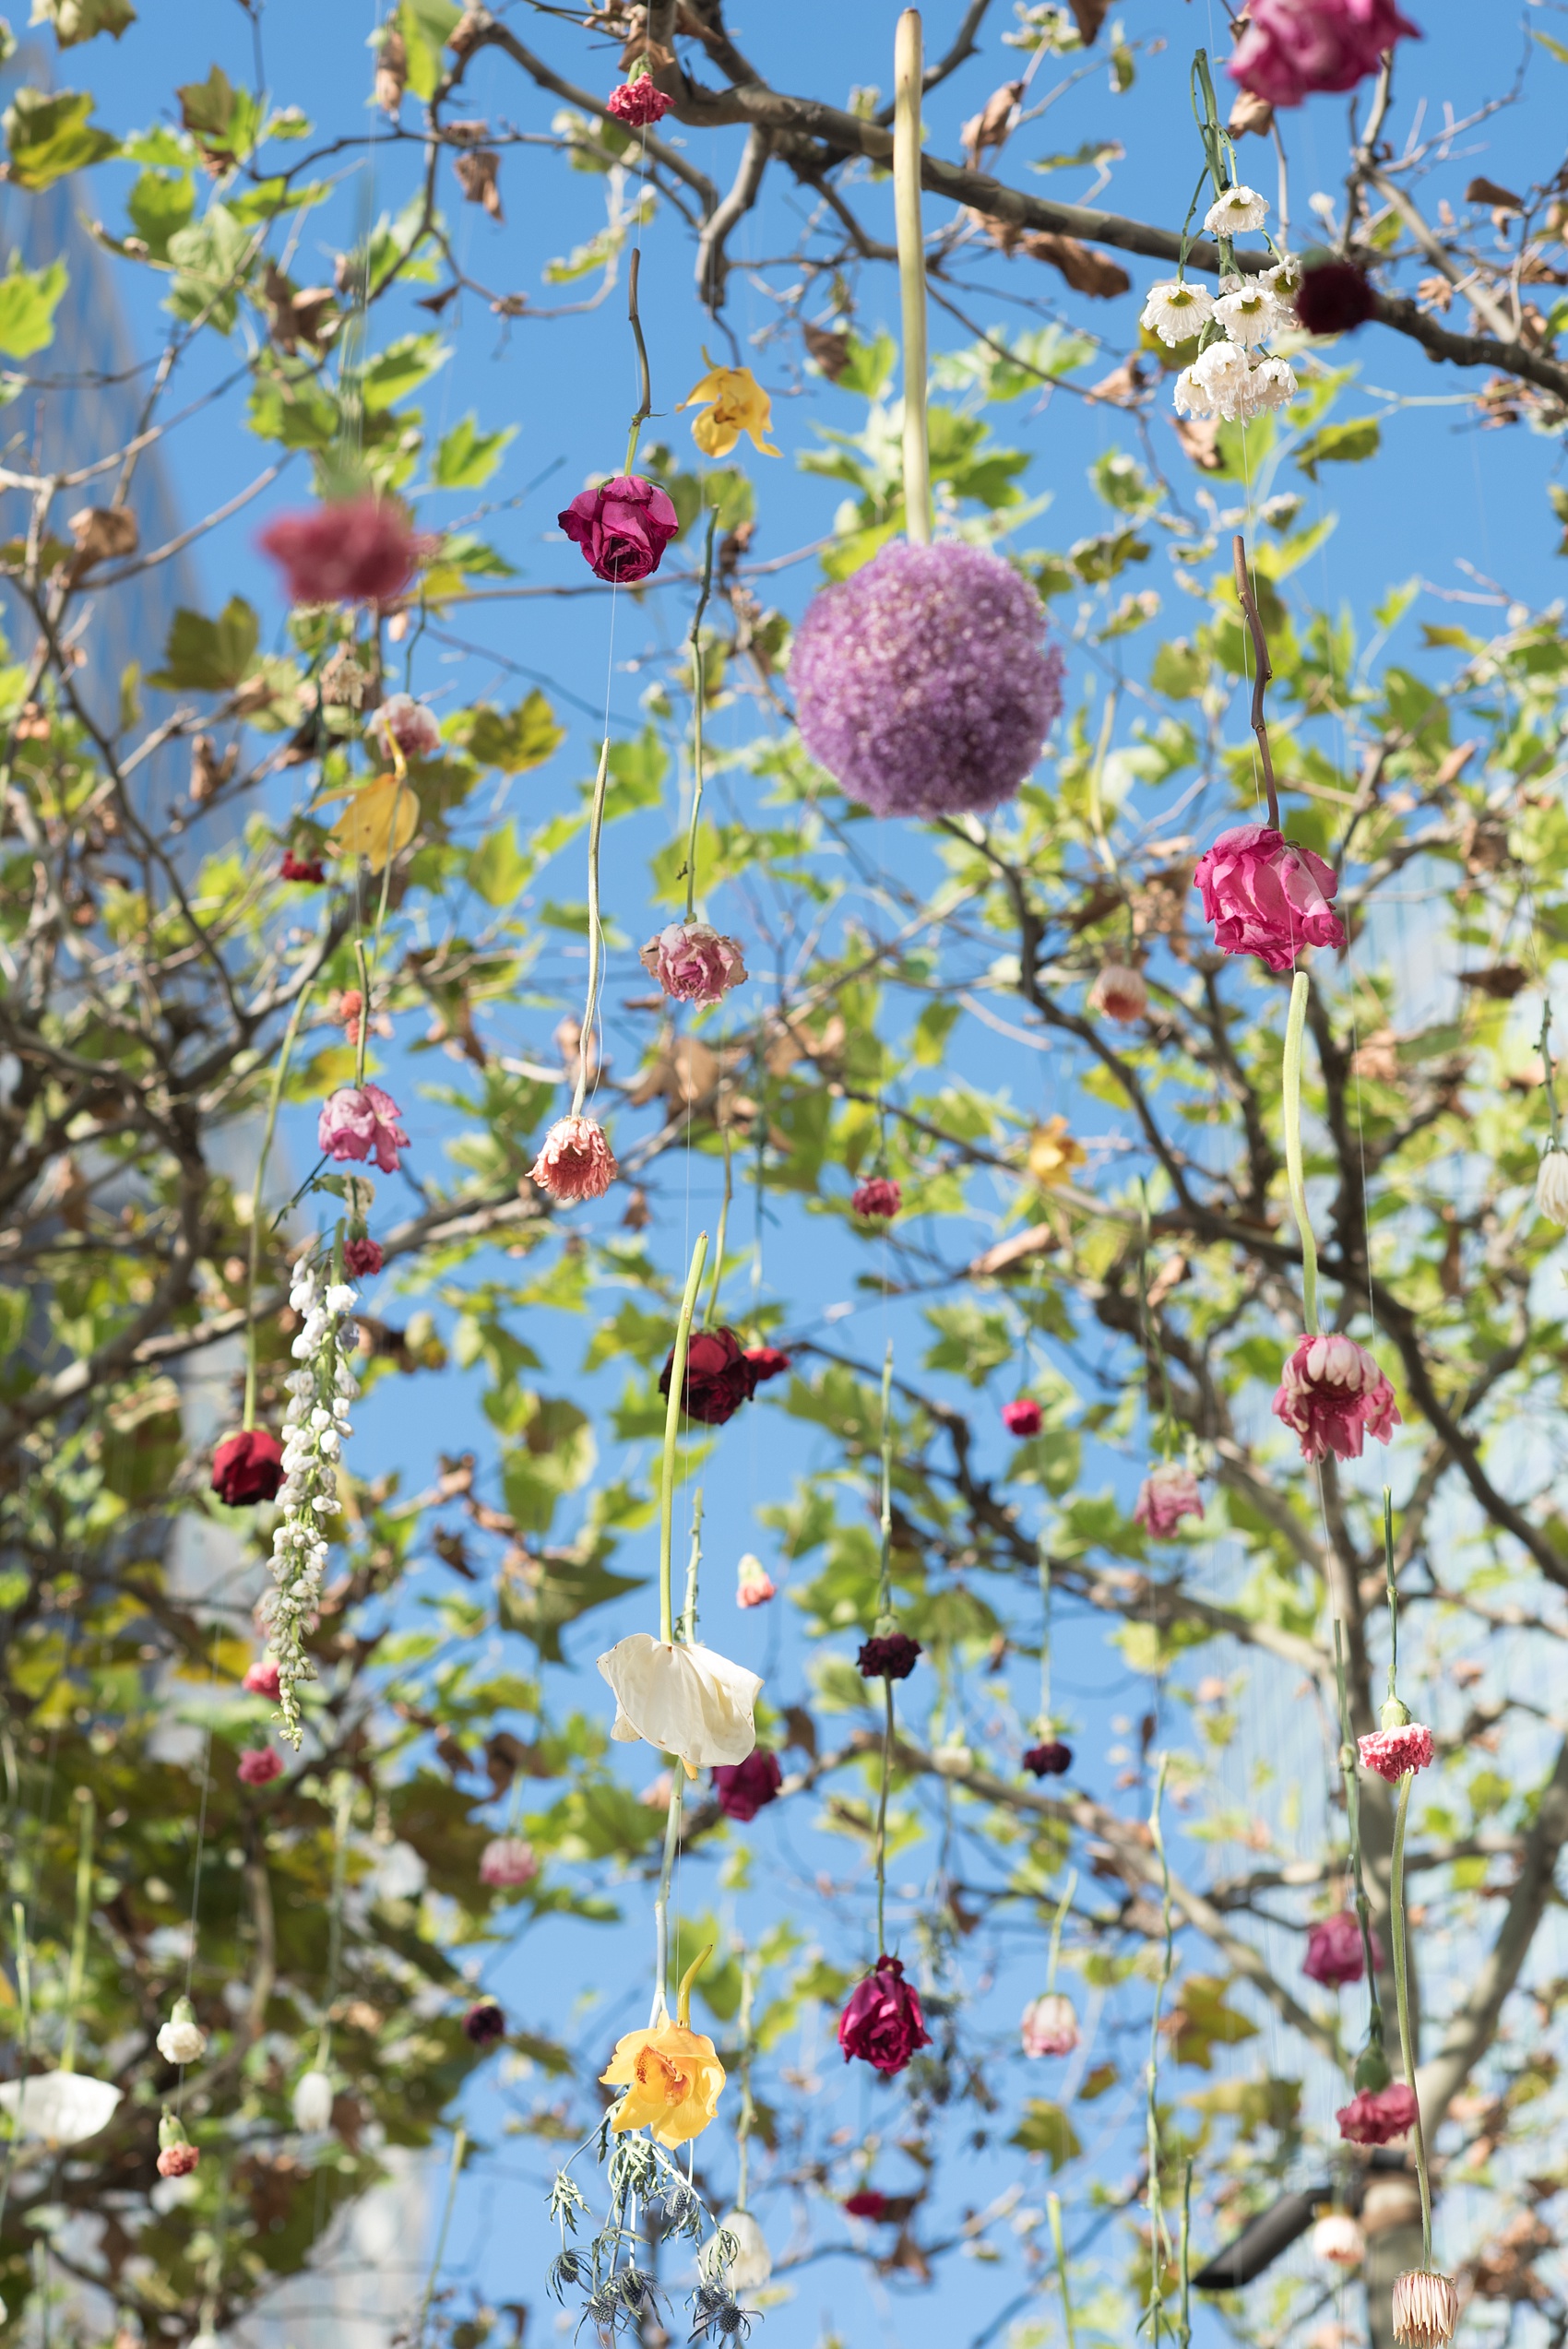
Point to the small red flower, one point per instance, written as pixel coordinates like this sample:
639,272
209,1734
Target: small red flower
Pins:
623,527
246,1467
1376,2116
867,2203
767,1362
1052,1760
888,1655
1168,1493
719,1377
638,103
295,868
745,1787
362,1257
1022,1418
1393,1753
262,1678
883,2022
258,1765
356,551
879,1199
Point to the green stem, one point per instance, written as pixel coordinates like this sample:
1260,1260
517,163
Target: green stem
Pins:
596,940
882,1816
459,2147
1184,2255
77,1978
342,1811
661,2011
1157,2235
1393,1592
1053,2204
699,697
748,2107
907,80
1353,1824
671,1427
279,1074
24,2044
1553,1138
689,1612
885,1574
1042,1555
1402,1993
645,403
1062,1906
712,1313
1150,1326
1295,1027
363,1043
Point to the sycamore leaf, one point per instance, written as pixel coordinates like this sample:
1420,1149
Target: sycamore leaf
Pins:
426,26
208,656
515,739
1045,2129
1349,444
467,457
380,818
1202,2022
48,134
28,299
76,20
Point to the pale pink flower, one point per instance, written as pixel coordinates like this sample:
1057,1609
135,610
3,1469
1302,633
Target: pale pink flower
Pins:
1334,1954
1049,2027
693,963
1337,2239
576,1161
1333,1396
261,1678
1426,2310
410,724
1168,1493
508,1860
360,1122
753,1584
1119,994
1393,1753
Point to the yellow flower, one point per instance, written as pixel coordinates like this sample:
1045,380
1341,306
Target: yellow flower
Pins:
671,2075
1053,1153
733,402
381,818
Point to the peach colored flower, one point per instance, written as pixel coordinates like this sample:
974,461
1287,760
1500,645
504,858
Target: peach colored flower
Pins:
576,1161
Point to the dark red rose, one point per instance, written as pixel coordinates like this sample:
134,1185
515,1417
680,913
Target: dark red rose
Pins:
1049,1760
295,868
363,1256
888,1655
878,1198
623,527
882,2024
1334,298
767,1362
719,1377
247,1467
745,1787
484,2023
358,550
1021,1418
258,1765
867,2204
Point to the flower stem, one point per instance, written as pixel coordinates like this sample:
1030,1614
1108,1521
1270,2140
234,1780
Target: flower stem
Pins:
1042,1555
882,1816
1553,1135
645,382
459,2147
1393,1592
699,696
77,1974
1062,1906
279,1075
1294,1030
1157,2235
885,1577
683,1997
596,939
908,79
1353,1823
1262,672
661,2013
712,1313
689,1612
671,1427
1053,2204
748,2105
1402,1993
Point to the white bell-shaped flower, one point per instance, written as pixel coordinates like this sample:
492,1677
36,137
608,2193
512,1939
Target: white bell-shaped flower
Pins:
312,2102
685,1700
182,2039
59,2108
1551,1185
752,2263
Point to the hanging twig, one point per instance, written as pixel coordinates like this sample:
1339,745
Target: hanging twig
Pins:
645,404
1262,672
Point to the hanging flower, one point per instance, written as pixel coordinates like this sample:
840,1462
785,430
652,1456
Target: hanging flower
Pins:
693,962
1022,1417
883,2022
176,2155
315,1425
295,868
1267,897
182,2040
623,527
1247,311
672,2078
484,2023
1376,2116
888,1655
1053,1154
1334,298
246,1467
258,1765
1237,211
1175,311
507,1861
1333,1394
1052,1760
1292,48
767,1362
1335,1955
719,1377
576,1161
1219,383
923,683
1168,1493
1399,1747
732,402
753,2262
1273,385
1339,2240
753,1586
877,1200
414,728
866,2203
1426,2308
638,103
745,1787
356,551
262,1678
1049,2027
360,1122
59,2108
312,2103
685,1700
362,1257
1120,994
1551,1185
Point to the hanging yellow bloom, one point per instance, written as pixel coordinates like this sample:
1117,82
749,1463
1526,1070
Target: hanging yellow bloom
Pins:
672,2076
733,402
1053,1153
380,818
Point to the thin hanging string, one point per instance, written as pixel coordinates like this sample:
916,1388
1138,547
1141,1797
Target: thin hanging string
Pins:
884,1618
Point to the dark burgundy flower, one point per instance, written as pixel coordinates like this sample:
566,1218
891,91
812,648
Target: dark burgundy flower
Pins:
248,1466
638,103
1052,1760
295,868
258,1765
882,2024
363,1256
767,1362
888,1655
623,527
719,1377
745,1787
1334,298
1376,2116
878,1198
357,549
1335,1955
484,2023
1022,1418
867,2203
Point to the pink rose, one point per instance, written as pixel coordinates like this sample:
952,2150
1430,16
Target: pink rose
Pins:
357,551
1331,1395
1266,896
1335,1955
575,1162
623,527
883,2022
1376,2116
1394,1752
360,1122
1168,1493
1049,2027
693,962
1294,47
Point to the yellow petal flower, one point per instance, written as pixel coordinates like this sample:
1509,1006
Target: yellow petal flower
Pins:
672,2077
380,818
1053,1153
733,402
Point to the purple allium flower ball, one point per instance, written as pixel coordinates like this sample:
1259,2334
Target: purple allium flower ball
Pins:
923,683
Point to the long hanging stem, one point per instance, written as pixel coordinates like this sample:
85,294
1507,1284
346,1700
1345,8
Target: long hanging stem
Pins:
1042,1556
1295,1027
699,697
689,1612
671,1429
712,1313
1353,1824
342,1812
882,1816
1057,1922
77,1974
24,2043
1554,1135
645,382
748,2107
459,2147
1402,1993
279,1075
596,940
1262,672
1053,2204
909,76
659,2014
1393,1592
1158,2235
884,1610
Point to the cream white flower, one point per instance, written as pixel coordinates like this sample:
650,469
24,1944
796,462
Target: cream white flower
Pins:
686,1700
1239,209
182,2039
1283,283
753,2264
1174,311
1216,383
59,2108
312,2102
1551,1186
1337,2239
1249,314
1273,385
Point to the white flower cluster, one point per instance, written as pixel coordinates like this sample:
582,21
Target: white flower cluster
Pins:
315,1425
1234,378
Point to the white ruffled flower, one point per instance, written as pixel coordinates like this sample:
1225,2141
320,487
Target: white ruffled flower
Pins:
1551,1186
752,2263
1175,311
314,1424
1239,209
313,2102
1273,385
59,2108
1216,383
1249,314
182,2039
1283,283
684,1700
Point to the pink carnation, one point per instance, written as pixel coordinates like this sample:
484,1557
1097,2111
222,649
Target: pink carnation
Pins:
258,1765
357,551
1292,48
1168,1493
360,1122
576,1161
1394,1752
638,103
1331,1395
1120,993
362,1257
262,1678
1049,2027
1022,1418
753,1584
693,962
623,527
1335,1955
508,1860
1376,2116
1266,896
178,2160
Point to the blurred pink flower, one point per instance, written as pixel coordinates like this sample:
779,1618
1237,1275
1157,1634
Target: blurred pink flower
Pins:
878,1200
1376,2116
1335,1955
360,1122
356,551
262,1678
508,1860
1293,47
1049,2027
258,1765
1332,1396
414,728
1168,1493
1120,994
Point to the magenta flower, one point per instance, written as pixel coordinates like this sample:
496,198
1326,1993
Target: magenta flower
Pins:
295,868
877,1200
575,1162
1376,2116
1022,1418
1333,1396
883,2022
507,1861
623,527
1335,1955
1168,1493
356,551
767,1362
258,1765
922,685
636,103
1293,47
745,1787
261,1678
1052,1760
719,1377
694,963
1395,1751
1267,898
360,1122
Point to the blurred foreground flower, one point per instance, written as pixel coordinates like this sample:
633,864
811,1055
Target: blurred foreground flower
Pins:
357,549
1168,1493
752,2263
258,1765
1551,1185
745,1787
1337,2239
1022,1417
176,2155
1120,994
1376,2116
888,1655
1053,1153
312,2102
1291,49
878,1200
508,1860
261,1678
1052,1760
1049,2027
59,2108
411,725
1335,1955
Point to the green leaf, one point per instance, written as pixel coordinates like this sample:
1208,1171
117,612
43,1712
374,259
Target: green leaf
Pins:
401,368
28,299
498,870
1202,2022
1349,444
539,1599
1179,669
467,457
1045,2129
76,20
869,367
211,259
161,204
144,1442
513,740
208,656
425,24
49,134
